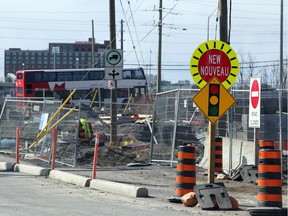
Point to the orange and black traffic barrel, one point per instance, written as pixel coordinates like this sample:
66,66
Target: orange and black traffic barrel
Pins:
218,155
269,178
186,170
266,144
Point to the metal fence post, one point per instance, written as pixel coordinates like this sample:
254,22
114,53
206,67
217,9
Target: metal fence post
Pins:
153,128
77,135
175,125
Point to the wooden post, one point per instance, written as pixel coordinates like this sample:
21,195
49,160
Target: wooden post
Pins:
211,153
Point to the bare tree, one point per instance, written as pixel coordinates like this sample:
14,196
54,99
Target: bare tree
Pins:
251,64
241,71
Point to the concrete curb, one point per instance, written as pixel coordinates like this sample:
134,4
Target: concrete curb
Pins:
103,185
33,170
70,178
118,188
7,166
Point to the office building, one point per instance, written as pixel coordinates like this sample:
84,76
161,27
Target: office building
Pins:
58,55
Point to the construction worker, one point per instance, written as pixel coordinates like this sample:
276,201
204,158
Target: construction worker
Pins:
86,128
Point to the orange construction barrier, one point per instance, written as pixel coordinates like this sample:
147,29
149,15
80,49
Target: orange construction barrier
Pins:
218,155
269,178
186,170
95,158
266,144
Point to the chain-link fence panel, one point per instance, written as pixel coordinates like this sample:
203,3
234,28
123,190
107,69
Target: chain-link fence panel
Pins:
27,116
238,117
177,121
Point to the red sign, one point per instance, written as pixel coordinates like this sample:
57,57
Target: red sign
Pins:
214,59
214,63
255,93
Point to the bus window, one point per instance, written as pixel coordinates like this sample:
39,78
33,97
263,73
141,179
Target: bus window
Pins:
49,77
29,89
77,76
96,75
122,93
84,75
138,74
34,77
38,77
19,76
127,74
64,76
19,91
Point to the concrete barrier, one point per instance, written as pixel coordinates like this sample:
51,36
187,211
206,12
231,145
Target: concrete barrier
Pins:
70,178
33,170
243,152
118,188
7,166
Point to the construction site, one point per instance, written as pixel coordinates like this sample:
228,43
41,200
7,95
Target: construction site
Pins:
148,136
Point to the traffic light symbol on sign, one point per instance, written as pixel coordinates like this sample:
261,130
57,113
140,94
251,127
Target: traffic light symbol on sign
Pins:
213,103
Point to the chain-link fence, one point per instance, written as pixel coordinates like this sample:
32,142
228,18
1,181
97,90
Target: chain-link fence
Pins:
26,115
177,121
73,146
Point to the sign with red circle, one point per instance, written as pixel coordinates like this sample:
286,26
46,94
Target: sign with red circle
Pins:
255,102
111,84
255,93
214,63
214,59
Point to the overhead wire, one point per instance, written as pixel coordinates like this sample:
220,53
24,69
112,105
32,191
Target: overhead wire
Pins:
136,32
133,44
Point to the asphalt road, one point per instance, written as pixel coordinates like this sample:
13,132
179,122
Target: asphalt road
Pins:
23,194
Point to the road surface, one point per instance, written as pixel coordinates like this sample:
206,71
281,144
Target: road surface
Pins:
23,194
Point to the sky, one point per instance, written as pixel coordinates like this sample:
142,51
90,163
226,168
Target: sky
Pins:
254,33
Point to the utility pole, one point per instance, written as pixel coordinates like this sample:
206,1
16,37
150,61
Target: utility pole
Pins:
122,39
113,92
212,127
223,20
223,37
281,83
93,43
159,47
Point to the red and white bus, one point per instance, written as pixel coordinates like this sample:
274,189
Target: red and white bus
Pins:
59,83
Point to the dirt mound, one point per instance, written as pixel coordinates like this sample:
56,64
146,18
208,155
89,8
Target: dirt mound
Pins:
108,156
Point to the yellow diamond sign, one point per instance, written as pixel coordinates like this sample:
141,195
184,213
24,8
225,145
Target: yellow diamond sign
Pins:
214,100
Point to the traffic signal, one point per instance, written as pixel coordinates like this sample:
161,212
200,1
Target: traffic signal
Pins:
213,103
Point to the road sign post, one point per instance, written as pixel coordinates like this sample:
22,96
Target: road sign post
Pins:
255,111
214,67
113,71
113,64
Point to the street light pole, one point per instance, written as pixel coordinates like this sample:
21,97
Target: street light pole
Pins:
208,24
159,48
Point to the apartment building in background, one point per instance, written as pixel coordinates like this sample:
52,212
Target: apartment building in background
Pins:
58,55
